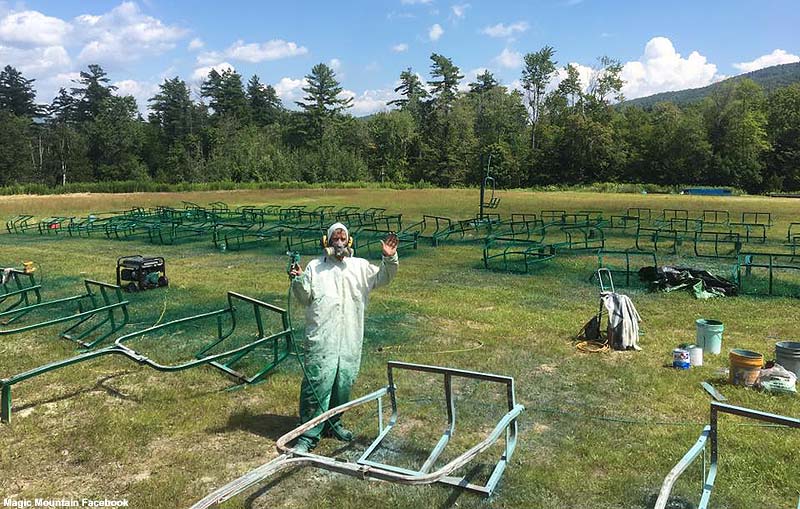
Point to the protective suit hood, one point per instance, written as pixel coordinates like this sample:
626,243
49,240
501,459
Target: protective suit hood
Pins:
338,226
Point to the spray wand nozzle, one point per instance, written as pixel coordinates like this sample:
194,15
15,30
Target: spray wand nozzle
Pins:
293,262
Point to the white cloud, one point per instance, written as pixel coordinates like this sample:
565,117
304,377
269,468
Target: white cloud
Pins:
270,50
435,32
47,88
140,90
124,34
289,90
509,59
585,75
196,43
370,101
777,57
400,48
253,52
399,15
35,61
335,64
33,27
459,10
469,77
209,57
201,73
662,69
501,30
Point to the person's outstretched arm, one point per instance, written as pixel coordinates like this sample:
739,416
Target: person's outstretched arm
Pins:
383,275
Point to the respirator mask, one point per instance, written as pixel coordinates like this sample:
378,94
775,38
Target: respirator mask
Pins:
338,248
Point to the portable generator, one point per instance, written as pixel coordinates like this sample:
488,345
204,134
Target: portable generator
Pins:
141,272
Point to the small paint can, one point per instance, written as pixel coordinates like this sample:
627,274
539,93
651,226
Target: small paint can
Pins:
680,358
696,355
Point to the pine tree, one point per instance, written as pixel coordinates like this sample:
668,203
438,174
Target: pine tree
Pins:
226,94
483,83
92,92
446,77
172,110
17,93
410,89
322,104
63,109
265,105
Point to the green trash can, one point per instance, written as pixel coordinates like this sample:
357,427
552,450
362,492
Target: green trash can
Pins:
709,335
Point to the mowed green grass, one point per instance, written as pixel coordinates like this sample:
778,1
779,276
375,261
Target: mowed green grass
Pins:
600,430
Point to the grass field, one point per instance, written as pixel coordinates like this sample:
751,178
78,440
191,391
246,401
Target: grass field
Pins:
600,430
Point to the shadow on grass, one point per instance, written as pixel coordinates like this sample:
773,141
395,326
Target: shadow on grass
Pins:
270,426
248,503
452,500
99,386
674,502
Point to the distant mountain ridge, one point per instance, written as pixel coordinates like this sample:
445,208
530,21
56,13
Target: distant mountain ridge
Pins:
769,78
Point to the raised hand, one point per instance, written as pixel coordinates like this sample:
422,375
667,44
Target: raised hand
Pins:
389,246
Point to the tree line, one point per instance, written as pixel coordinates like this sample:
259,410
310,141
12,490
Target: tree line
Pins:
436,132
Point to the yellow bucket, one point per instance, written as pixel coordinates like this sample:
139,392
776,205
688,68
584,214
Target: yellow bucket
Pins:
745,366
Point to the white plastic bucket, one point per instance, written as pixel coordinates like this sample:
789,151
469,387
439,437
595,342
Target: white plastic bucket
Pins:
696,355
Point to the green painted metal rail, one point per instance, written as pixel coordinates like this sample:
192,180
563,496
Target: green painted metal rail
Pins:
769,261
20,289
725,244
278,345
604,256
99,300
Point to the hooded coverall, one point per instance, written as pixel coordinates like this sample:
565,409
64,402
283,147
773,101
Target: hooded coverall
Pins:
335,293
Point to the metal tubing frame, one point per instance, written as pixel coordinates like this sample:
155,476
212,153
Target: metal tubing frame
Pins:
532,252
552,216
589,237
716,216
750,235
366,469
773,262
107,306
717,239
656,234
118,348
757,218
602,256
21,292
623,222
710,435
640,213
19,223
668,214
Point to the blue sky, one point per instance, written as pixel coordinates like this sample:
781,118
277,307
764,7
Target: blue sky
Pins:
663,45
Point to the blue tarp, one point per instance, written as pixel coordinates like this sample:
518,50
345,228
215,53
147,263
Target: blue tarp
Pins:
707,191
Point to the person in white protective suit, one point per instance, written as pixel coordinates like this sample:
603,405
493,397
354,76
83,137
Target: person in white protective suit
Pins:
335,289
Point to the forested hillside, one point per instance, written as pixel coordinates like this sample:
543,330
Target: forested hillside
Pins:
769,78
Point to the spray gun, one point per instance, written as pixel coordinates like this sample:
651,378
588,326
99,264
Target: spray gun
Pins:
293,261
